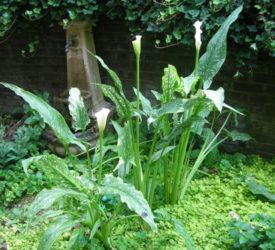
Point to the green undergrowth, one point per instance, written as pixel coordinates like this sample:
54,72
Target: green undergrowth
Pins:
204,213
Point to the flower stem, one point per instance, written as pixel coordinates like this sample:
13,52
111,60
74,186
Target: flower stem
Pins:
100,155
197,61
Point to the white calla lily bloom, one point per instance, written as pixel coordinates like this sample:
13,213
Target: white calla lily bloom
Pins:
101,118
198,33
137,45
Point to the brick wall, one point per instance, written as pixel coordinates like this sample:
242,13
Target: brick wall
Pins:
47,71
255,94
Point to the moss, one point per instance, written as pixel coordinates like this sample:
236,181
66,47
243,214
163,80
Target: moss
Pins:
204,213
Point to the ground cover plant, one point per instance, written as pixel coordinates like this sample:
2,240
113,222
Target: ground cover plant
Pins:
157,152
205,214
20,139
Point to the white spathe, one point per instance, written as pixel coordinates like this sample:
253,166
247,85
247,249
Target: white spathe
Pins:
101,118
74,94
137,45
198,33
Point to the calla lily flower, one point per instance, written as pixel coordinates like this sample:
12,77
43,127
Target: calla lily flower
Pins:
197,26
101,118
137,45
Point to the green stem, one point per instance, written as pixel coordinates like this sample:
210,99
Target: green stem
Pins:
166,180
153,185
137,169
89,163
88,157
137,100
166,177
197,61
100,155
139,173
182,153
147,166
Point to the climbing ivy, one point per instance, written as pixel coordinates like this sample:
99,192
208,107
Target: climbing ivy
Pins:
170,20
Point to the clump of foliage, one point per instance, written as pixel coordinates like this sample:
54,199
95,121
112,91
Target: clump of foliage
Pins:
182,120
14,184
258,233
24,142
170,20
87,203
84,203
218,161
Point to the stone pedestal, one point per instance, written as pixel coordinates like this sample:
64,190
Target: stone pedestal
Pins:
82,68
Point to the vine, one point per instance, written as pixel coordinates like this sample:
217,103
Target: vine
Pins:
170,20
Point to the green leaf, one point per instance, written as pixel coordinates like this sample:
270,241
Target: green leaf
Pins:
187,84
170,82
46,198
146,104
77,239
112,73
46,216
233,109
179,228
217,97
129,195
78,110
27,162
56,169
238,136
159,154
214,57
122,104
55,230
172,107
50,115
124,142
259,189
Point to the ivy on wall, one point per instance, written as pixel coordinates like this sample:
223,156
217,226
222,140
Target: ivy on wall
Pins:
170,20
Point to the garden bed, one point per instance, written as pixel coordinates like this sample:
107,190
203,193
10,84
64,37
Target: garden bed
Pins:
204,213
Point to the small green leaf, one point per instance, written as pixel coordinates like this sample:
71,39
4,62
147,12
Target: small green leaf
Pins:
129,195
238,136
27,162
259,189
